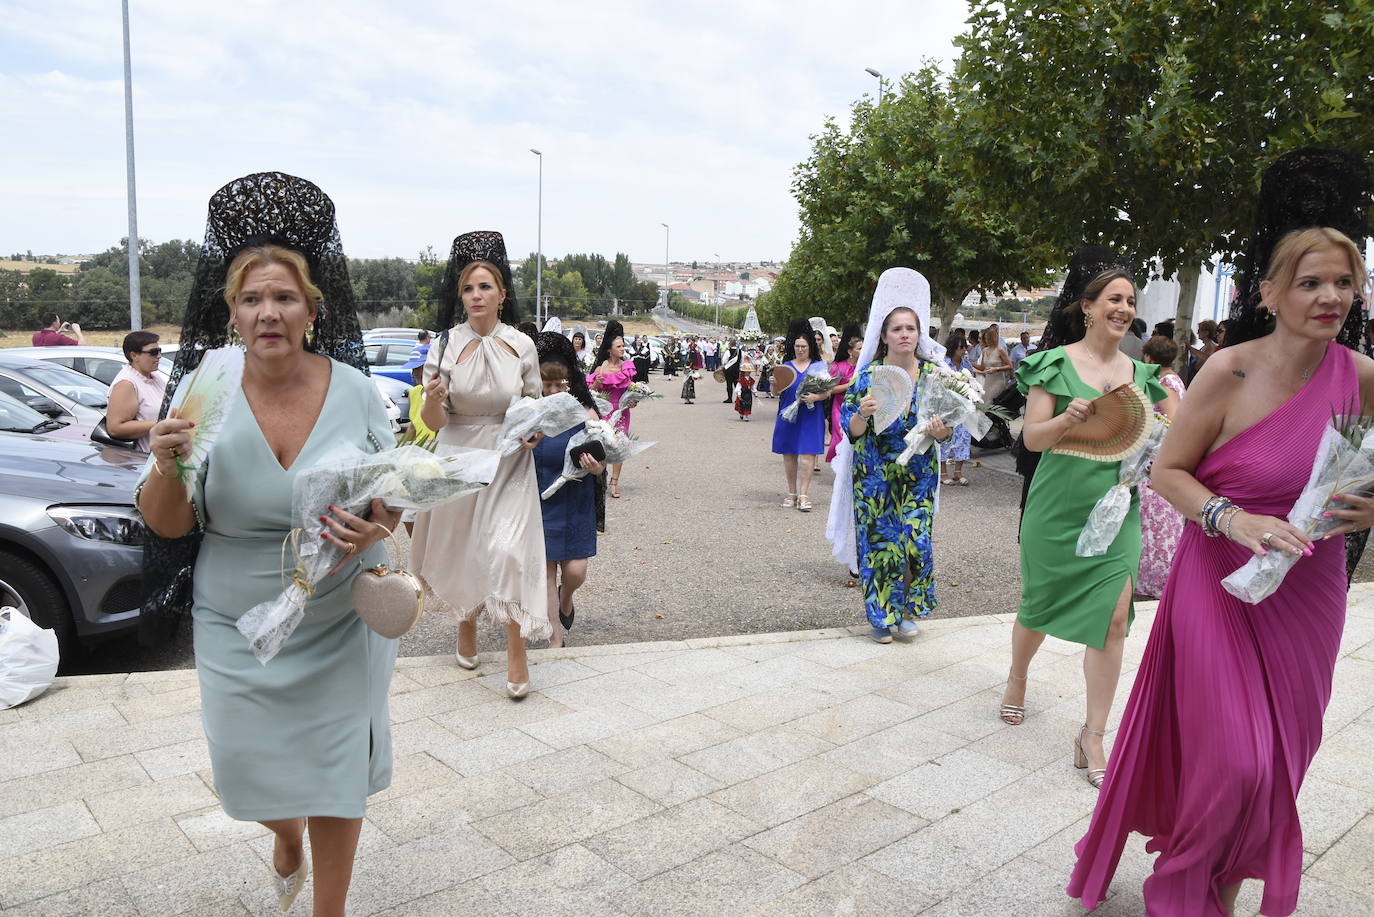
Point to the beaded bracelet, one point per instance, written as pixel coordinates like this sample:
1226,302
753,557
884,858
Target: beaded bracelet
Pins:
1211,514
1231,513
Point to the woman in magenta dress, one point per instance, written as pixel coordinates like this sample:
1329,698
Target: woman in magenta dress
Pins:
1160,524
1226,713
612,377
842,371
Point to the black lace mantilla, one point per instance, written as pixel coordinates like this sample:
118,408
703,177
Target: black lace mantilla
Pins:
1086,263
269,208
552,346
480,245
1313,186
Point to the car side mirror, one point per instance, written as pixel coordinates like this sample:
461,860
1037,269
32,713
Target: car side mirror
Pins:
46,406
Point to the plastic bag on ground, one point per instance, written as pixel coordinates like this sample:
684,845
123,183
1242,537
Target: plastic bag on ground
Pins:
28,658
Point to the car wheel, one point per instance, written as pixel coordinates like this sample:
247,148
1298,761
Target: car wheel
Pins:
30,588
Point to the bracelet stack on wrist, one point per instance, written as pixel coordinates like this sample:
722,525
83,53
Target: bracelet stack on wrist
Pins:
1218,510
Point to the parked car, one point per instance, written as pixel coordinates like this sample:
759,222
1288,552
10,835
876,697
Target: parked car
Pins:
58,391
17,417
71,542
393,334
396,394
386,356
103,363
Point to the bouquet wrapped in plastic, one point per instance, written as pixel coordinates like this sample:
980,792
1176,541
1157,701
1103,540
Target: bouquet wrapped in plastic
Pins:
406,477
954,397
1344,465
811,384
637,392
618,447
1104,522
527,417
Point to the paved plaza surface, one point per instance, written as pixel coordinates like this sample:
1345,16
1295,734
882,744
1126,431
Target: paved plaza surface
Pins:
802,773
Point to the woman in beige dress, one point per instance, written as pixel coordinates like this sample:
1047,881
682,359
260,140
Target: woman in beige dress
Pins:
485,552
994,365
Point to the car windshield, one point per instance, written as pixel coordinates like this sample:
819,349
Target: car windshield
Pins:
74,385
19,418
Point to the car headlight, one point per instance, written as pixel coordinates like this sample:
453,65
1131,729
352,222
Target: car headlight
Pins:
114,524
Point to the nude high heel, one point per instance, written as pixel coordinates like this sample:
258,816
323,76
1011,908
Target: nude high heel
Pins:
1094,775
1013,714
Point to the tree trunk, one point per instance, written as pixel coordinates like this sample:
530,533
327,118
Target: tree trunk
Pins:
949,306
1183,315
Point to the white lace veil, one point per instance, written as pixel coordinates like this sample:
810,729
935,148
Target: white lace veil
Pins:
898,288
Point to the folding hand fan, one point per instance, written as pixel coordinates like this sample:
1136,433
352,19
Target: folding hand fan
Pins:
1121,421
783,377
206,400
891,387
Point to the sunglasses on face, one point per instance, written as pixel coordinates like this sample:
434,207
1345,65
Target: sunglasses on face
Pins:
155,352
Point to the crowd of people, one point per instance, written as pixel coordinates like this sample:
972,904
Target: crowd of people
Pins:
1225,714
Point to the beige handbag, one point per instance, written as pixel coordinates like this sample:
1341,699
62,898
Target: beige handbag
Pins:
388,601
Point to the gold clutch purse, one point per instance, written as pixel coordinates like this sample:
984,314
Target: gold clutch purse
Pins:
388,601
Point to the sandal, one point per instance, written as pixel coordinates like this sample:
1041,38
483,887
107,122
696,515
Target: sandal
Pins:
789,501
803,503
1094,775
948,482
1012,714
615,488
962,482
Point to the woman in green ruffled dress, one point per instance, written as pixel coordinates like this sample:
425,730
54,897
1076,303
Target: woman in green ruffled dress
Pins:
1084,600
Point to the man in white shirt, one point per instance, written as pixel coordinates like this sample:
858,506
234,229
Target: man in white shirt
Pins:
1019,351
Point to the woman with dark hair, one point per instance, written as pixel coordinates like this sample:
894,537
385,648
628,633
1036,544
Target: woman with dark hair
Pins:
1160,524
300,743
612,377
1085,600
570,512
580,351
1227,709
484,555
882,510
800,442
955,452
136,392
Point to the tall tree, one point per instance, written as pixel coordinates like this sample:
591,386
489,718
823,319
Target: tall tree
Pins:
889,192
1145,124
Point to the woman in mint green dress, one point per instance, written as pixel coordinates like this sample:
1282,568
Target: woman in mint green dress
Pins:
1084,600
307,735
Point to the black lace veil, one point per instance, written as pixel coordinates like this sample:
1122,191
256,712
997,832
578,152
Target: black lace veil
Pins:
1087,263
269,208
553,347
1313,186
480,245
603,347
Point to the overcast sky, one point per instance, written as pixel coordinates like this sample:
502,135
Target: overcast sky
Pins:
417,117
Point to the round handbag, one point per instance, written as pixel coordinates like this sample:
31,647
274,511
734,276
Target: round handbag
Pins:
388,601
718,375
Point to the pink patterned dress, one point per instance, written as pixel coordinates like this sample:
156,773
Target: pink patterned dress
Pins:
1160,526
841,371
1226,712
614,385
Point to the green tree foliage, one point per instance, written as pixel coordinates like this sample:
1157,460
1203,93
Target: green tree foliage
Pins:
889,192
380,284
1145,124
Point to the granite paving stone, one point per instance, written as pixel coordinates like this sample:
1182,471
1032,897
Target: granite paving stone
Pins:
854,891
836,835
669,838
727,883
500,713
894,750
669,739
173,796
490,752
565,883
583,726
175,760
211,828
199,881
938,787
780,795
448,805
422,867
751,755
43,828
548,824
107,898
566,770
49,788
1348,862
853,719
668,782
469,899
770,708
149,706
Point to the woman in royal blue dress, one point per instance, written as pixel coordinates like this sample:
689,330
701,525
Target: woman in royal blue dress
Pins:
883,518
800,442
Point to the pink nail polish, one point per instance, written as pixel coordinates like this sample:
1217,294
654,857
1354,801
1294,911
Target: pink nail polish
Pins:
1264,552
1326,515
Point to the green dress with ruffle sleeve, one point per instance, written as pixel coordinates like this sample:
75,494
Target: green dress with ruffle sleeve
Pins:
1062,594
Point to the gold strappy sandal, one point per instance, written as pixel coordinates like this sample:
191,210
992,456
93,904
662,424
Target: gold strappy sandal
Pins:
1013,714
1080,759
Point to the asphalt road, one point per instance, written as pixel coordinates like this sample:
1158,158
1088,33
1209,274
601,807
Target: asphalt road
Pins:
699,545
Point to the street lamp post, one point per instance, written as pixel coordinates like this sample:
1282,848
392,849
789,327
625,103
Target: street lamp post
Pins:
539,246
135,295
667,270
874,73
717,254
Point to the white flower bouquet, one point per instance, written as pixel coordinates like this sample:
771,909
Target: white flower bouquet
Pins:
1344,465
618,447
1104,522
811,384
637,392
957,399
406,477
527,417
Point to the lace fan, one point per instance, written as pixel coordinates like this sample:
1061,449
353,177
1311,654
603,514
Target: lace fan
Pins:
1121,421
891,387
207,400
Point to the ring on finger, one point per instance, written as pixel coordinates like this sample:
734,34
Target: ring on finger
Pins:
352,546
1268,537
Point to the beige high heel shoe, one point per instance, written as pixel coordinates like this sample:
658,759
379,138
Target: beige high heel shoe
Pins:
1013,714
1094,775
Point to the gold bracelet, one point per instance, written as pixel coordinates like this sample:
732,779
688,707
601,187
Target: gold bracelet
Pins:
160,472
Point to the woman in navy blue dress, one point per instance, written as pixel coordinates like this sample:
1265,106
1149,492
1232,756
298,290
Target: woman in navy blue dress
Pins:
570,512
800,442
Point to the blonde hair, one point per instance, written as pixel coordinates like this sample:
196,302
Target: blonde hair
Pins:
250,258
495,276
1283,263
